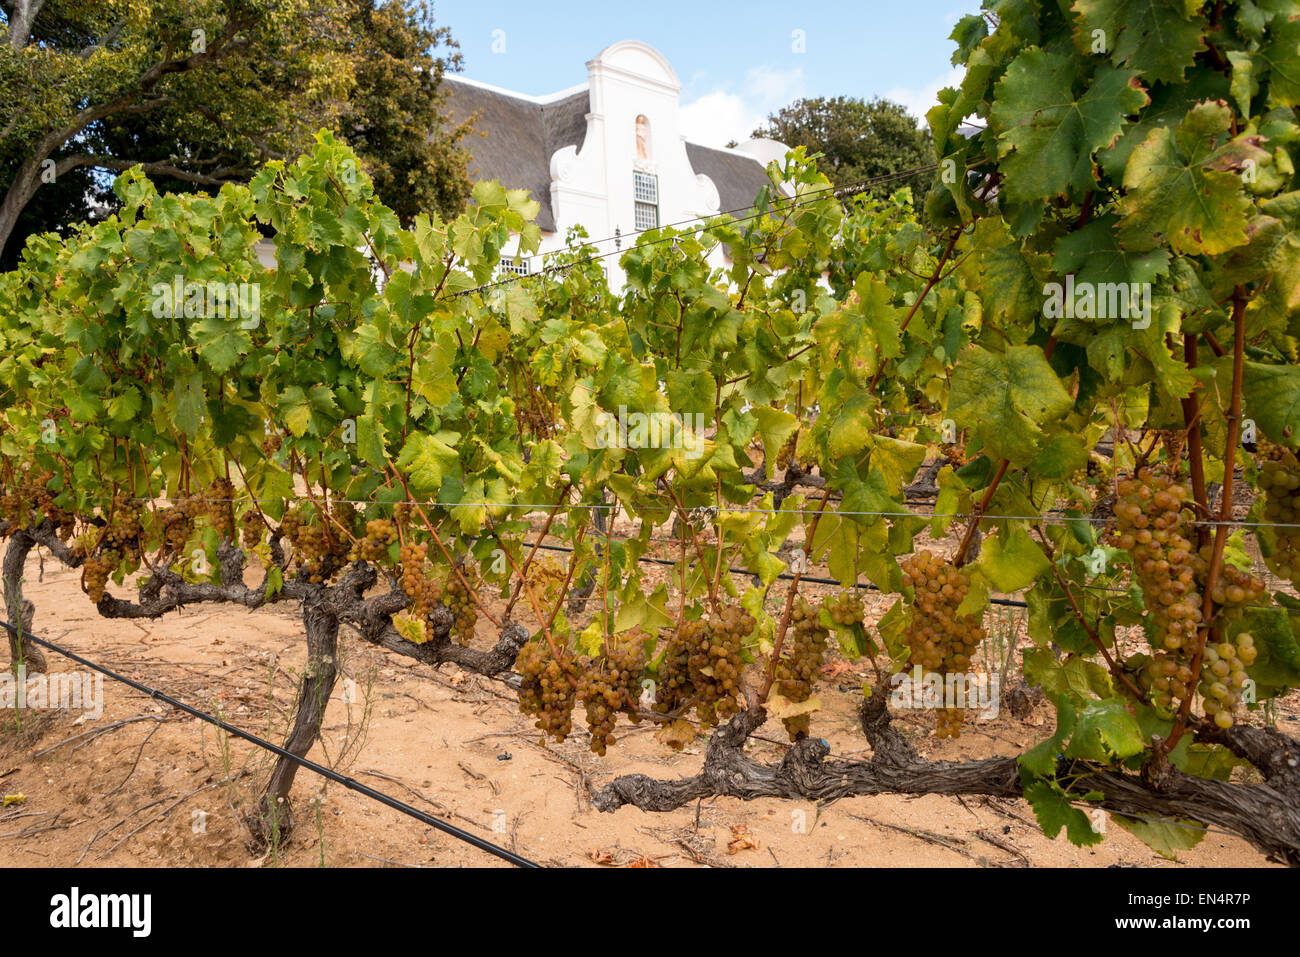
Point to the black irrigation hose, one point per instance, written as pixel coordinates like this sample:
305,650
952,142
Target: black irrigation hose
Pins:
349,783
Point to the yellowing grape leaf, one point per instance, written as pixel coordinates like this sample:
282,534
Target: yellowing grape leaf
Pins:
1184,189
1005,397
779,707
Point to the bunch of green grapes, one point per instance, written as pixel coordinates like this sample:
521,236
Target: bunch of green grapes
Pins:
373,548
801,661
1223,676
610,685
1279,480
122,535
547,691
703,662
938,638
424,591
28,495
1235,591
315,550
271,444
178,523
458,596
253,530
43,501
1154,526
674,687
219,500
846,608
96,571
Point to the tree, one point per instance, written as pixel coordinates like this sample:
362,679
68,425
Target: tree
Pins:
203,93
858,139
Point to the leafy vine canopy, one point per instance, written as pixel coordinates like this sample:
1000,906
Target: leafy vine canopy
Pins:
1108,262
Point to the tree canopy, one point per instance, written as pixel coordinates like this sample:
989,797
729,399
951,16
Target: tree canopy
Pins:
199,93
858,139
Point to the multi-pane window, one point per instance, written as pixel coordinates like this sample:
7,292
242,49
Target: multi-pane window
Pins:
645,191
645,187
646,216
515,269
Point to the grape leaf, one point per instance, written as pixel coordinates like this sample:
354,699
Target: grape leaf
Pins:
1047,135
1154,37
1182,189
1095,256
1105,731
1004,398
1272,399
1164,836
1054,811
1012,560
1282,54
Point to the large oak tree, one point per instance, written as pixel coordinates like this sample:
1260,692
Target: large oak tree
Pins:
203,92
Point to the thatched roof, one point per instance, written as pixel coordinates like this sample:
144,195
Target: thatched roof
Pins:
739,178
523,133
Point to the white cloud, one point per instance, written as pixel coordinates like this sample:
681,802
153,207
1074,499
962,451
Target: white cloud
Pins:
920,100
721,115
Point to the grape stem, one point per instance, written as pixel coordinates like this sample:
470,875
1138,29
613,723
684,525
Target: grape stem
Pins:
1239,300
1115,670
550,517
959,558
537,608
1195,451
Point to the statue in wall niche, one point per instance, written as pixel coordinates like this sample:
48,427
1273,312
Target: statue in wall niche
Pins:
642,139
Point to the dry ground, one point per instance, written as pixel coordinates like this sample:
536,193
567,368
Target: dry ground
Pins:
141,785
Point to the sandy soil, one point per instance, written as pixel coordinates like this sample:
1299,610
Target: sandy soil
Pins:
141,785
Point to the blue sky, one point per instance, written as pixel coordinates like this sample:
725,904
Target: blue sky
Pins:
737,62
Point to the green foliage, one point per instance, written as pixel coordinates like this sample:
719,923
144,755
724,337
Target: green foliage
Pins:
857,139
204,93
387,361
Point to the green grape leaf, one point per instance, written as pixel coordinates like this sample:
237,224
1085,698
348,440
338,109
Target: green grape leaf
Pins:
1054,811
1184,189
1105,732
1164,836
186,404
1271,395
1282,54
1012,560
1095,256
1047,136
426,459
1277,666
1158,38
775,428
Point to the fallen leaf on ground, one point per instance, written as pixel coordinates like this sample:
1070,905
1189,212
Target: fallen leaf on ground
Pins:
741,840
836,668
600,855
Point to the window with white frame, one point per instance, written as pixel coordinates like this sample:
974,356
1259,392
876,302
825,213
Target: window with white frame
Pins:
645,191
519,268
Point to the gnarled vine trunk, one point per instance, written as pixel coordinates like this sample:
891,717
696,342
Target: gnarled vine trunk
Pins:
274,819
18,611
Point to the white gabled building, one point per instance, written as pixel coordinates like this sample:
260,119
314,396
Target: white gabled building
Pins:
608,155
